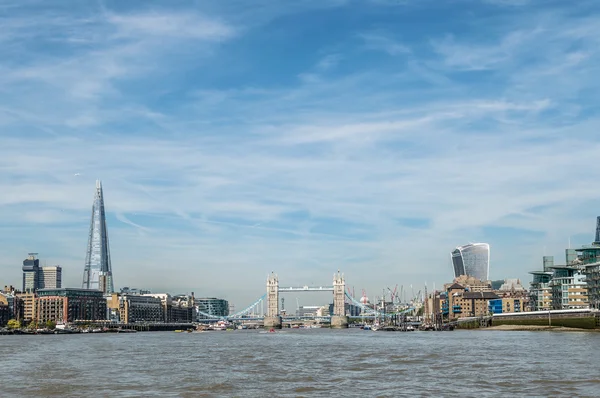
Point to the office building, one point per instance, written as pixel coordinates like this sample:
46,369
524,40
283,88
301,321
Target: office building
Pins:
308,310
472,260
183,309
349,309
4,313
210,307
97,274
66,305
592,276
31,273
135,308
178,309
50,277
568,288
588,258
27,310
8,298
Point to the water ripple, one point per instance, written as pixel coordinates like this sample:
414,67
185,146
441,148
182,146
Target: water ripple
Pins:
315,362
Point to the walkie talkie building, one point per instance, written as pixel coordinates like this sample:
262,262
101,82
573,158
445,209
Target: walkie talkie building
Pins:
473,260
97,274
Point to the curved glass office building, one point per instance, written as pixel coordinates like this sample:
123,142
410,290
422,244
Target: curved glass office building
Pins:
473,260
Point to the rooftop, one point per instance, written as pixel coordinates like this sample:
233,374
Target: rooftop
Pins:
593,246
456,286
480,295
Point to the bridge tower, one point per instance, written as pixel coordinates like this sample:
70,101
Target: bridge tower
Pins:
272,318
339,319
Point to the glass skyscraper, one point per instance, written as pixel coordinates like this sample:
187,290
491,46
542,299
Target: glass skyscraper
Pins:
473,260
97,274
31,273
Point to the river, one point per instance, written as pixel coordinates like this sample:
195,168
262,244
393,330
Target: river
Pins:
312,362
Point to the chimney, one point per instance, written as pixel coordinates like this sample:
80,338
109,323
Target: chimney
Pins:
597,240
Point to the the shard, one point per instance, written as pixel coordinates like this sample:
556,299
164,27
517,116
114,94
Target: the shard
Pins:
98,271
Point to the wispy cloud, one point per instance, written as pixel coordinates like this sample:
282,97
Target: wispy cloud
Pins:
254,146
380,41
169,25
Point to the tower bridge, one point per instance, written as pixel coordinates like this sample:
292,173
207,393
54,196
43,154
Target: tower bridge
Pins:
272,316
338,319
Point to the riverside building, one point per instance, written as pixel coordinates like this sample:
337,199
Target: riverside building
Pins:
540,291
27,307
4,313
66,305
589,258
211,307
135,308
458,301
178,309
575,285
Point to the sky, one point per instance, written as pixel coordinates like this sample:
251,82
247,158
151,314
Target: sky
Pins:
237,138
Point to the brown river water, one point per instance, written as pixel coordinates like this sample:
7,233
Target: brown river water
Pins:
302,362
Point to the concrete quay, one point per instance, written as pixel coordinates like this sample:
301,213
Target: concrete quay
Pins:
272,322
339,322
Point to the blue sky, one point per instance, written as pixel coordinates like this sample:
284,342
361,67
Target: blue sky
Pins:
236,138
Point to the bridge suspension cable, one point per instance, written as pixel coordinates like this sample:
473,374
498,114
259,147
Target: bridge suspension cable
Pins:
247,309
373,312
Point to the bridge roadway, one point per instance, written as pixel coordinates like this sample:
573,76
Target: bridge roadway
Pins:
306,289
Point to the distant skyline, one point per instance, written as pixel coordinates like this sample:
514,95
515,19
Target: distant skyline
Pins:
237,138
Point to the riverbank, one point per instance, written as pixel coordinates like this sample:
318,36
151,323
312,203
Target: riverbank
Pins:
538,328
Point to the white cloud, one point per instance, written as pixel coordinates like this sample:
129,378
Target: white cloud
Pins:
328,62
379,41
170,25
225,185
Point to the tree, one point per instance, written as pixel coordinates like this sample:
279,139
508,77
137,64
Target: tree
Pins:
32,325
50,325
13,324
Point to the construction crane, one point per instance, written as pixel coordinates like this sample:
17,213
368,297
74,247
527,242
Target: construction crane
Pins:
402,299
426,308
417,297
394,295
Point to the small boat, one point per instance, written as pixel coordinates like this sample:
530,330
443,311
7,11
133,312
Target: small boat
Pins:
126,331
65,331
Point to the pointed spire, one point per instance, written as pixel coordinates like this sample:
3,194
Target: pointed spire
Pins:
98,269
